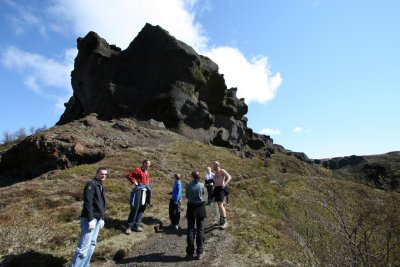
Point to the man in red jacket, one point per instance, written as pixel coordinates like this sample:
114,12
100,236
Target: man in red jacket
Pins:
140,195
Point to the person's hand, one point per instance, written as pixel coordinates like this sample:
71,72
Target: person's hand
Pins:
101,223
92,224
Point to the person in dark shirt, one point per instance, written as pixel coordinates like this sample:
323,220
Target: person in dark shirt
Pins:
92,218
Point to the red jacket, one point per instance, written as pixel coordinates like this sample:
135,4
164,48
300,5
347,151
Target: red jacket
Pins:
139,176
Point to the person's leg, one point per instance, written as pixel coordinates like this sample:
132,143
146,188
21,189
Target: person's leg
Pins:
82,250
139,217
199,235
93,241
221,209
177,213
190,237
210,193
134,211
171,211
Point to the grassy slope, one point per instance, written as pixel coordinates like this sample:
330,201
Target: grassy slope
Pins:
266,209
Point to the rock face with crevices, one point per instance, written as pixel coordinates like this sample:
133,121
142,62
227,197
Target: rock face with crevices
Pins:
158,82
161,78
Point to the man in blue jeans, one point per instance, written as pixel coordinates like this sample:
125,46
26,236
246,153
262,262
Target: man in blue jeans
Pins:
92,218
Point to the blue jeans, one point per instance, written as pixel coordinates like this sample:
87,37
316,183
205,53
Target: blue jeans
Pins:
86,244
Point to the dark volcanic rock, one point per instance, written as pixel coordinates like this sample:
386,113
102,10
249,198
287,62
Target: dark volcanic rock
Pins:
161,78
158,82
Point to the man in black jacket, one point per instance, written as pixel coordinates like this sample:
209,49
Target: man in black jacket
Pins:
92,218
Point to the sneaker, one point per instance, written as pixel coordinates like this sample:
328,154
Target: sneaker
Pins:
128,231
224,225
138,229
201,255
176,227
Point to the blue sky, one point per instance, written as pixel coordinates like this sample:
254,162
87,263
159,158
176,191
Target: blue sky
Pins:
320,77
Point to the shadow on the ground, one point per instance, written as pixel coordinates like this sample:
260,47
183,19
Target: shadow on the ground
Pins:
152,257
111,223
32,258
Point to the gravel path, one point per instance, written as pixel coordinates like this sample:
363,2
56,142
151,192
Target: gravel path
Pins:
167,247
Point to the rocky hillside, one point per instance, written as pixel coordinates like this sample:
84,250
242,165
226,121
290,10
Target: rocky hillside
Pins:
160,100
282,211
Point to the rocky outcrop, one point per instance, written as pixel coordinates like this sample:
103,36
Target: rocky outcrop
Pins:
158,82
84,141
161,78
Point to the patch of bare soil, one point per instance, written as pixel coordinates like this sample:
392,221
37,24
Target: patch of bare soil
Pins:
167,247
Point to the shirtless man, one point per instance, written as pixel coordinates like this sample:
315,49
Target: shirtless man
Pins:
221,180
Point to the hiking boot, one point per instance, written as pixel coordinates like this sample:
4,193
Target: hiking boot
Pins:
223,223
138,229
200,256
128,231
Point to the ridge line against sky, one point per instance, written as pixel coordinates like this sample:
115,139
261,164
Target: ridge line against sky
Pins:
319,77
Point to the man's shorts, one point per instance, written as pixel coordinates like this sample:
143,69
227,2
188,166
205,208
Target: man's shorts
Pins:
219,194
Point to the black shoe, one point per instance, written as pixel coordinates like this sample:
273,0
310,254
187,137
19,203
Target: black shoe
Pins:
189,257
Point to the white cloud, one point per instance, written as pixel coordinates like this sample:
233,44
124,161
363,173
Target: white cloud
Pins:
268,131
40,72
252,78
299,129
119,22
24,17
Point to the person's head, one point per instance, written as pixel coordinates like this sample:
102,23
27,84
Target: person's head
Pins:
208,169
145,164
177,176
195,175
216,165
101,174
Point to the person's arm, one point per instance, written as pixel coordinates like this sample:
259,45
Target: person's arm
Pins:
88,195
227,178
131,176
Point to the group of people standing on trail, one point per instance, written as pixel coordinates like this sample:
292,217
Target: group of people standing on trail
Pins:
94,205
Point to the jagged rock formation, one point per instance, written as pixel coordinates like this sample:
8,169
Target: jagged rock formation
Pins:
159,77
158,82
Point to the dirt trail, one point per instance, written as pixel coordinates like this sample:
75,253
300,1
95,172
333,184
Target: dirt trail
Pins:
167,247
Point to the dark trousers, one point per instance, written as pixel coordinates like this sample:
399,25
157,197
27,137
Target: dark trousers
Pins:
174,212
191,235
195,214
210,193
137,211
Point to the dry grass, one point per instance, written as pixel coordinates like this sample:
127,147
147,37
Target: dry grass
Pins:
43,214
